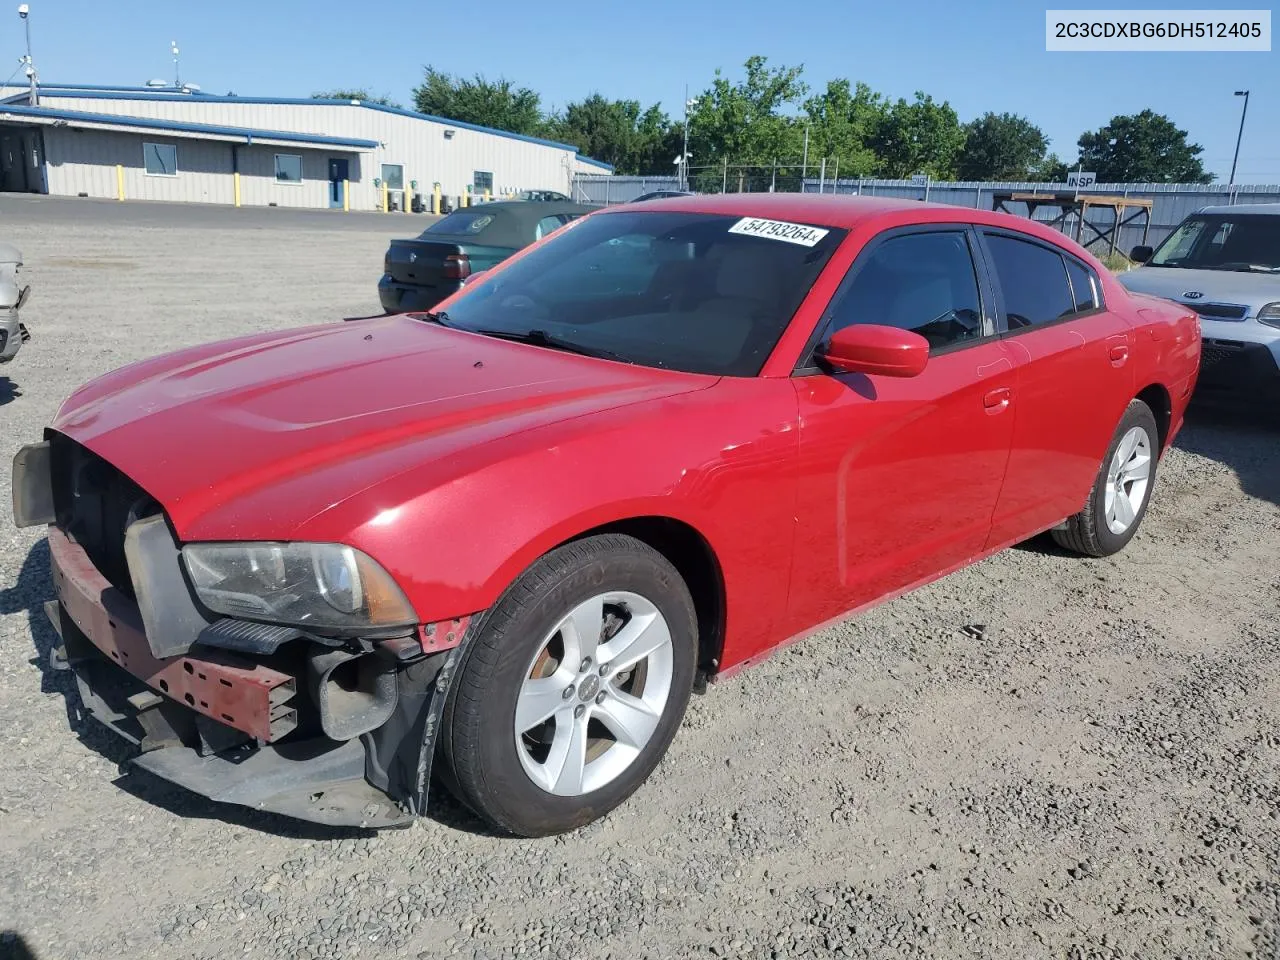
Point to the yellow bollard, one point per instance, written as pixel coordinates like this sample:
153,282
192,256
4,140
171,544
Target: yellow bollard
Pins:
119,181
435,200
236,177
486,196
385,202
346,196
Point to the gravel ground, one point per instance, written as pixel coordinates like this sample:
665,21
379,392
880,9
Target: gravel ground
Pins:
1093,772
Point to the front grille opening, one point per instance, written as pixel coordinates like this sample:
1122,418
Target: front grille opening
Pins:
1221,311
94,503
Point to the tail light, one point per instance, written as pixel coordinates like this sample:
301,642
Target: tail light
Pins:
457,266
386,262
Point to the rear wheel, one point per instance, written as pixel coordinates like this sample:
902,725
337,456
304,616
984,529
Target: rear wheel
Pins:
1118,501
574,688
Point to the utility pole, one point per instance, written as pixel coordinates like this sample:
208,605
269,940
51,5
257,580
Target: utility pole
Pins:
1239,136
177,74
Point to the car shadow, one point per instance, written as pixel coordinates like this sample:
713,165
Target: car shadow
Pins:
8,391
13,946
33,587
1240,437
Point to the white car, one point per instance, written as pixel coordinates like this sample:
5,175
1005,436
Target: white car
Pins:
12,333
1224,263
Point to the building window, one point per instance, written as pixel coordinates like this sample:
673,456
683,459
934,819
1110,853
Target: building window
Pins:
161,159
288,168
482,181
393,175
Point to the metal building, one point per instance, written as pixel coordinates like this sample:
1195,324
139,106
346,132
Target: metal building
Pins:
144,143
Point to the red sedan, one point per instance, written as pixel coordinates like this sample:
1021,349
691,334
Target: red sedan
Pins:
514,534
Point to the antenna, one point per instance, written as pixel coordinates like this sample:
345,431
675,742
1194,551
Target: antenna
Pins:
177,74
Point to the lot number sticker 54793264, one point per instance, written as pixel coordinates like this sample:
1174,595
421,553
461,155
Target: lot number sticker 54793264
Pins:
797,233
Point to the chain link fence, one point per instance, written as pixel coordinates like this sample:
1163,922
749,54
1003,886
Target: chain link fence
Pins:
1171,202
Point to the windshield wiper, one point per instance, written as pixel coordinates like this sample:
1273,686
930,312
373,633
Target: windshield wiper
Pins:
1243,266
540,338
433,316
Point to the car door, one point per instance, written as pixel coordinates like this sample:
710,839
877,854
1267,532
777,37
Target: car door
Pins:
899,477
1074,379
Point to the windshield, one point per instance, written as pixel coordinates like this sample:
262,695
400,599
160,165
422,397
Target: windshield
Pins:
683,291
1247,242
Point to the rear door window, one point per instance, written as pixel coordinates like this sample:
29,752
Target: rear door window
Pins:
1033,279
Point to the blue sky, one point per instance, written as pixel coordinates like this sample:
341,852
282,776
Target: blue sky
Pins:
982,55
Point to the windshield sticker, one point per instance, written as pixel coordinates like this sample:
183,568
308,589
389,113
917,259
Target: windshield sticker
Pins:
779,230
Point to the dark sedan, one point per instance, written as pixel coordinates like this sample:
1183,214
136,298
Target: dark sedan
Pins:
419,273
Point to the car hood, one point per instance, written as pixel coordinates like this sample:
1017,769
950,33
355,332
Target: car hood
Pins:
324,412
1215,286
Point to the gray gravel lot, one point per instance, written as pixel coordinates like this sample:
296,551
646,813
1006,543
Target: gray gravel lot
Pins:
1094,775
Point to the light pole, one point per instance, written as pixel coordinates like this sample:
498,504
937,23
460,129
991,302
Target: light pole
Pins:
684,150
1239,136
33,97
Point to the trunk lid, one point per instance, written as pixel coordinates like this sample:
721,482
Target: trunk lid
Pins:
425,263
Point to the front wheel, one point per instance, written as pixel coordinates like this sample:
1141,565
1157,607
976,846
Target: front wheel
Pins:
574,687
1118,501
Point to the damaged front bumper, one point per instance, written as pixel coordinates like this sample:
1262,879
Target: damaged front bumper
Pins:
250,714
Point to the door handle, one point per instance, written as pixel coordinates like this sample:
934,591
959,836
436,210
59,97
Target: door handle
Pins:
1119,355
995,401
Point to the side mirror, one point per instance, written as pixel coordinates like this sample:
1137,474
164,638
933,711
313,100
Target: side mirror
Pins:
1141,253
472,276
873,349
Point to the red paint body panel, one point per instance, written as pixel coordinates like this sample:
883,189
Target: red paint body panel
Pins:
455,460
898,477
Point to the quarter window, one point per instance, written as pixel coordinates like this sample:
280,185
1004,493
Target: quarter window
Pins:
288,168
160,159
546,225
1034,282
1084,286
923,282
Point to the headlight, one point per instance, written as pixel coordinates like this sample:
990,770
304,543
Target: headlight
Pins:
321,585
1270,314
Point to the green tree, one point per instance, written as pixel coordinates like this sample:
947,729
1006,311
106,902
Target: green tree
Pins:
919,136
1144,147
355,93
744,122
1001,146
843,124
489,103
1050,170
618,132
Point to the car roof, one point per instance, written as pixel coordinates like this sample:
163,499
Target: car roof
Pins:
537,209
1268,208
512,226
847,212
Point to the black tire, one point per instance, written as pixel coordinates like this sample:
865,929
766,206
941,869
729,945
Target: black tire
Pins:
1088,532
477,738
